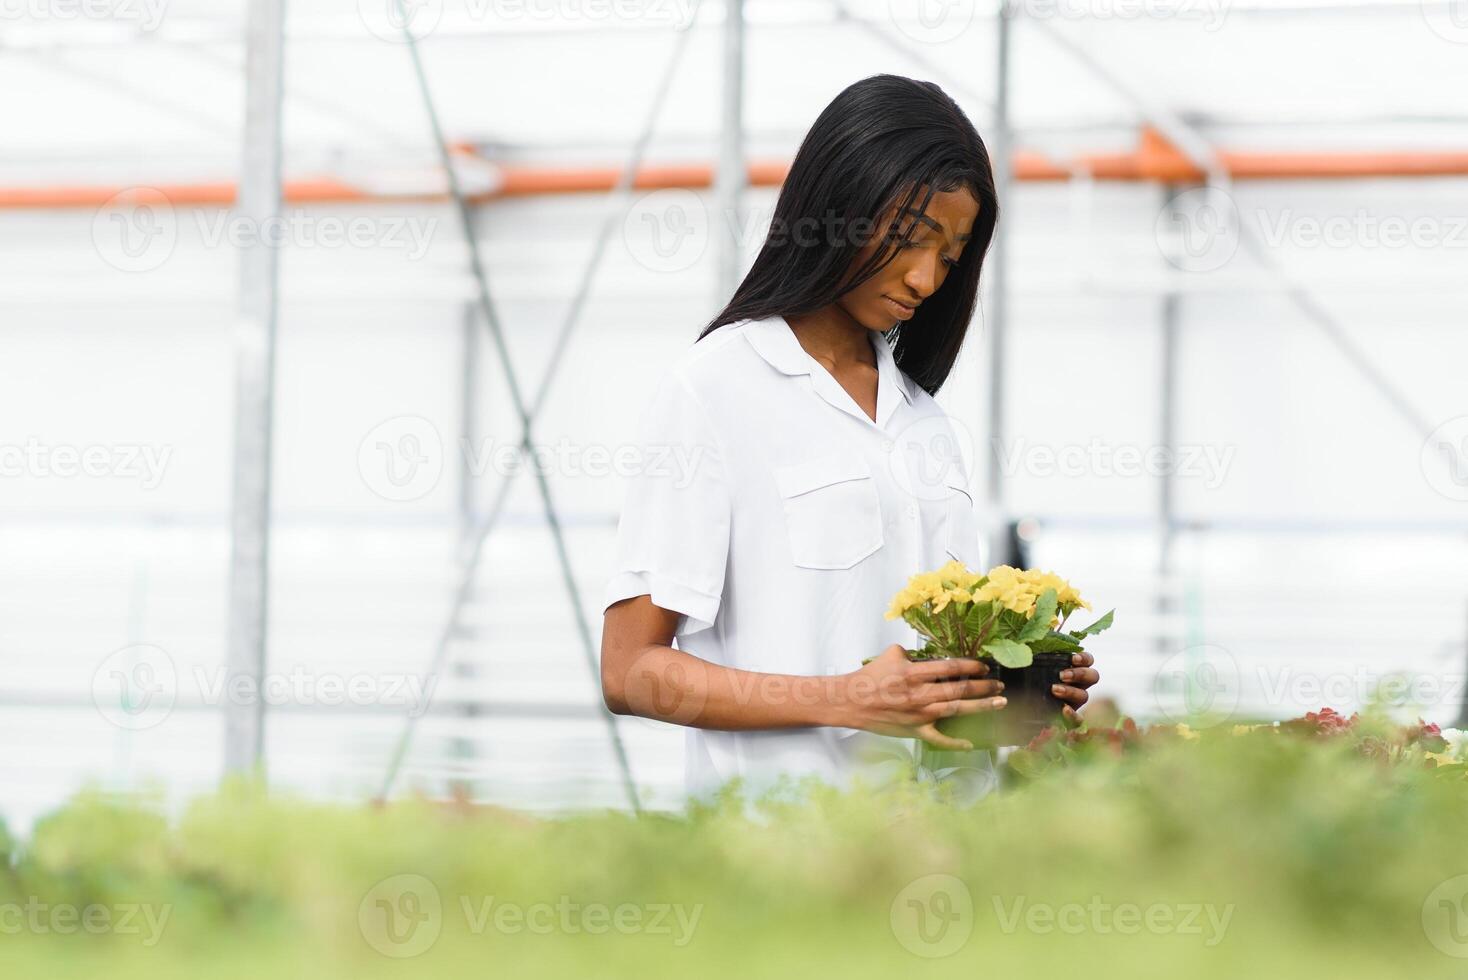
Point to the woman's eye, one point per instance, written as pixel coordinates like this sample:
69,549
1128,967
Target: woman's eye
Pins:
951,263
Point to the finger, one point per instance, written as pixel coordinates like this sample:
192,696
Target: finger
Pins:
964,706
1082,659
946,667
1074,696
930,734
1081,676
953,690
1069,714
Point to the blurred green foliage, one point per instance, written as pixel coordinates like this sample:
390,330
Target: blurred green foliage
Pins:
1308,854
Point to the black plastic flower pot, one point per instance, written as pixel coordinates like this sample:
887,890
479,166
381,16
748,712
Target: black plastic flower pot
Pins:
1031,707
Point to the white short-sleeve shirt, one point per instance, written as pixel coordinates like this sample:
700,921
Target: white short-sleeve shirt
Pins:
778,520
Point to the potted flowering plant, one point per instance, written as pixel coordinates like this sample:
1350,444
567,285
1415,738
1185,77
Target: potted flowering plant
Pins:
1012,619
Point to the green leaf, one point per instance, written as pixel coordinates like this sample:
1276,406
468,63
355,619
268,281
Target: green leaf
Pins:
977,616
1009,653
1054,642
1010,623
919,620
1039,623
1103,623
943,628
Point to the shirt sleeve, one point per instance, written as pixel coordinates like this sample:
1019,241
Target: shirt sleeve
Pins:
673,534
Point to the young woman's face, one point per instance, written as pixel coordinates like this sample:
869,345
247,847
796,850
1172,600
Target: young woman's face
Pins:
919,268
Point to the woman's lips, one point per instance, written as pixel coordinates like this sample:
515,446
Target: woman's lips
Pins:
898,310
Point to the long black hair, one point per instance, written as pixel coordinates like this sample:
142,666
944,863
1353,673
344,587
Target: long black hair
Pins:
883,137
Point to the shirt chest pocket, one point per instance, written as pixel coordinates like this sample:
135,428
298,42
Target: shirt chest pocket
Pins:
832,513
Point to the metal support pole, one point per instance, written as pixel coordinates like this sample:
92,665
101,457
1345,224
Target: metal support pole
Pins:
463,749
733,175
996,269
259,202
468,418
1167,437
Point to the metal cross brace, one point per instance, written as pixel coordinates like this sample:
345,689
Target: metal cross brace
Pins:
614,217
1204,155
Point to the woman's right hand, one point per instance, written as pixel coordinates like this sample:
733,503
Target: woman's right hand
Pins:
892,695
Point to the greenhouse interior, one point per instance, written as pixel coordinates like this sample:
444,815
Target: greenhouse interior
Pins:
324,322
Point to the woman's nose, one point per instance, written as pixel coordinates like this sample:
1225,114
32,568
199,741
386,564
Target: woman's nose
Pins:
922,277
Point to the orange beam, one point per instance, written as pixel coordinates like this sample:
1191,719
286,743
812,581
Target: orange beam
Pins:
1326,166
180,195
519,180
1154,160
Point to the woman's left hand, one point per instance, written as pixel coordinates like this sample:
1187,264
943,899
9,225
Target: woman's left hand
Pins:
1075,681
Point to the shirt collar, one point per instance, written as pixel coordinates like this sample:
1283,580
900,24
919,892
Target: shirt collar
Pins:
773,340
888,371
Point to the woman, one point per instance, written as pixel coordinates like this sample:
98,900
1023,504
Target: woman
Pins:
815,470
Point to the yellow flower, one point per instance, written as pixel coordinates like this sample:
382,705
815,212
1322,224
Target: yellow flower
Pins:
951,583
1014,589
958,574
1019,589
